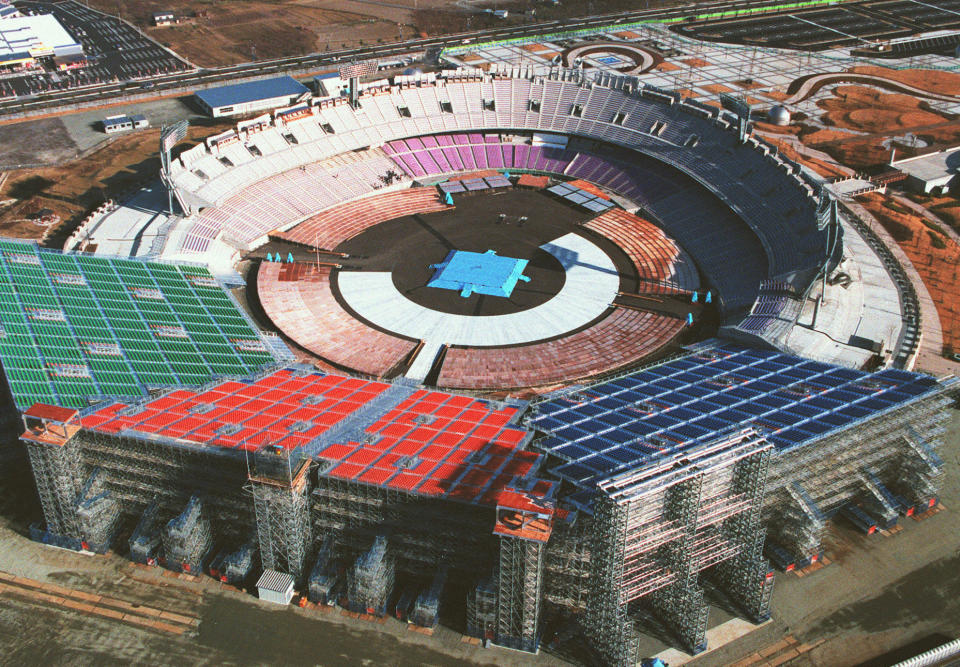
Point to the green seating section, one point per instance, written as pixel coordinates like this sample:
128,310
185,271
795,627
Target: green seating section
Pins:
78,326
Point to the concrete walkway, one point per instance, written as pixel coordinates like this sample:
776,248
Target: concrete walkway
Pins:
814,83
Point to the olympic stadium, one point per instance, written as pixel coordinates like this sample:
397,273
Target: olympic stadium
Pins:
575,339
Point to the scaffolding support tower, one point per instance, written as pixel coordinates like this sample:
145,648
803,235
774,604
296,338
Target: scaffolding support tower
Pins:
57,472
187,538
280,485
323,576
370,580
239,565
482,609
145,542
426,608
659,526
98,513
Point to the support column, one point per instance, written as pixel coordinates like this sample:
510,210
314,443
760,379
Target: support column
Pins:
49,437
681,604
608,625
518,600
281,491
747,577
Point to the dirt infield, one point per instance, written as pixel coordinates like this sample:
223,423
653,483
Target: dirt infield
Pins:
938,267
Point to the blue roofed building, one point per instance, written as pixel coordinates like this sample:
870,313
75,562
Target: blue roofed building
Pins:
252,96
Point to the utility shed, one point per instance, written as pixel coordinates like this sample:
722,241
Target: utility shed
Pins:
274,586
244,98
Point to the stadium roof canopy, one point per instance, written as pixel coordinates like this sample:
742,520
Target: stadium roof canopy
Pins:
675,406
251,91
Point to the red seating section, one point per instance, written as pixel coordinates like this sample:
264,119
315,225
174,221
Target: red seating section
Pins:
662,266
329,229
623,337
438,444
284,409
299,301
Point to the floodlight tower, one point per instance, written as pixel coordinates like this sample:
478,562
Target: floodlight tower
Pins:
170,135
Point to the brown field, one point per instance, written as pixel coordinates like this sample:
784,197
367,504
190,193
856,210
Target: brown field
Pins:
224,33
938,267
869,110
667,67
936,81
696,62
72,189
875,116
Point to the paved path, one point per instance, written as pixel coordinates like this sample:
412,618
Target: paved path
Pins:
816,82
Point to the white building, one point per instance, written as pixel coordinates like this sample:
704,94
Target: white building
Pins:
933,173
23,39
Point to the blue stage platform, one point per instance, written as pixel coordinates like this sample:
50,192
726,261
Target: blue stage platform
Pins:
481,273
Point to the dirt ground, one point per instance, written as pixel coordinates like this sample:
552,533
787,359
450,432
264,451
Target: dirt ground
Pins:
223,33
214,33
936,81
938,267
72,189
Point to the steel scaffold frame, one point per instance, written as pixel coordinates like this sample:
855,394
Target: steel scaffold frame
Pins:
57,473
748,578
280,487
424,533
519,593
658,526
897,450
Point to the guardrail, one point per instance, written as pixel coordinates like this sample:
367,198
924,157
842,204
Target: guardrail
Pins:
909,339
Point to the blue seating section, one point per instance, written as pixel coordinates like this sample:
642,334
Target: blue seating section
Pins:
665,409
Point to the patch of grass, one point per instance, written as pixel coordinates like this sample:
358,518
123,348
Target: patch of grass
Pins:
934,226
896,206
937,241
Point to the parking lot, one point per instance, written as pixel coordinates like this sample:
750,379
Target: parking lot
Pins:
855,24
115,51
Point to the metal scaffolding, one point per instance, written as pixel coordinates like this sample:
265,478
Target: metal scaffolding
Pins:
370,580
145,542
482,608
238,566
57,472
657,527
426,608
425,533
877,462
519,594
187,538
323,576
280,485
98,513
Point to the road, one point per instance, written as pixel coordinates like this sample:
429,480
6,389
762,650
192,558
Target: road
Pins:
102,94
